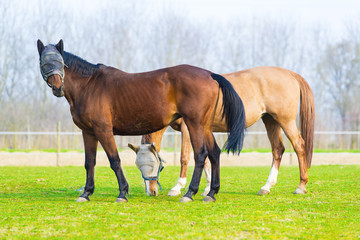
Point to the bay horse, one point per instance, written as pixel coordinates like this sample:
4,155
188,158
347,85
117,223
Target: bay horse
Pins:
272,94
105,101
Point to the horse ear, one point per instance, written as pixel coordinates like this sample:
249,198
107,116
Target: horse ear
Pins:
152,148
134,148
40,46
60,46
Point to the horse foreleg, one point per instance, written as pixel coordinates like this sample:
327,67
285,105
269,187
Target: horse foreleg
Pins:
90,144
106,138
184,161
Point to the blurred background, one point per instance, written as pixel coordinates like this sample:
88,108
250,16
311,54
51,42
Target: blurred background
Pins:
320,40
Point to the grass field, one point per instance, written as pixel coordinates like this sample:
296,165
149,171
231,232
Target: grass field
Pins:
39,202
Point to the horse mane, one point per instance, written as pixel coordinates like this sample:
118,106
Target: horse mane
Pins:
79,65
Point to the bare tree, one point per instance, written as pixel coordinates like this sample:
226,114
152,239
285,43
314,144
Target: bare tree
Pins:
339,71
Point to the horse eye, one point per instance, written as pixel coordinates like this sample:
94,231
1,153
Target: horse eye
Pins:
48,67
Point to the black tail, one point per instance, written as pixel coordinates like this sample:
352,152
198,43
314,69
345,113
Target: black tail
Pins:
234,113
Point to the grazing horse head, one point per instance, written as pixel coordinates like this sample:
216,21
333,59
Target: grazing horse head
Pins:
52,66
150,165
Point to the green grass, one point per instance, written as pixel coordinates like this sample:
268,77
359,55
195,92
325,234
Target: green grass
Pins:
39,202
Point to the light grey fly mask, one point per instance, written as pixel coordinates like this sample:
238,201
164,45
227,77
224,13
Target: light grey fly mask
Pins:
149,163
51,62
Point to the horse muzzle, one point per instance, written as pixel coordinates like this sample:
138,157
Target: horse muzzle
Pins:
58,92
151,187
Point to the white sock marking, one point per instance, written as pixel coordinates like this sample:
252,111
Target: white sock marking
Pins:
180,184
272,179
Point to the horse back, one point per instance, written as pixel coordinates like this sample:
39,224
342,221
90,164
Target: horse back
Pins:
140,103
272,90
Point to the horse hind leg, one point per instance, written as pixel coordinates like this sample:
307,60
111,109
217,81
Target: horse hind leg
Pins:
214,157
184,161
298,143
200,153
274,134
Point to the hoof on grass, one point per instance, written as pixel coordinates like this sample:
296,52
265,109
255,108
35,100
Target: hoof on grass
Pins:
82,199
263,192
174,193
121,200
300,191
186,199
209,199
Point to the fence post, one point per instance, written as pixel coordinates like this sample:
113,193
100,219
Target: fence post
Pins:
58,144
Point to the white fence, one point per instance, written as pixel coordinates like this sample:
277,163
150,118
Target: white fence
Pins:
331,140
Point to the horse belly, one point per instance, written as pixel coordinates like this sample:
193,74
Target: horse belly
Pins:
136,128
138,125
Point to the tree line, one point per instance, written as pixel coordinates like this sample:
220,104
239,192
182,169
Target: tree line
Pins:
135,38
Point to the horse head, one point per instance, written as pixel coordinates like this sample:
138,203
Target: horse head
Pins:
150,164
52,66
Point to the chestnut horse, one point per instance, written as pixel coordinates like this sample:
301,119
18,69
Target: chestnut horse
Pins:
105,101
269,93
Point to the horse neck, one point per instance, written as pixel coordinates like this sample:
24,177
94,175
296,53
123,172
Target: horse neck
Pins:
74,83
154,137
147,138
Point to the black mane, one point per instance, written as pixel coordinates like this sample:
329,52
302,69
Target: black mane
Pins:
79,65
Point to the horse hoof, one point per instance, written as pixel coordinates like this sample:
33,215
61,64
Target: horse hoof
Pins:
82,199
174,193
263,192
300,191
186,199
209,199
121,200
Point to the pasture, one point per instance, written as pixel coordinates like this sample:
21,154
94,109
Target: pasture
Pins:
39,202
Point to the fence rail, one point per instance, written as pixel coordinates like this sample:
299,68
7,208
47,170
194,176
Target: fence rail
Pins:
334,140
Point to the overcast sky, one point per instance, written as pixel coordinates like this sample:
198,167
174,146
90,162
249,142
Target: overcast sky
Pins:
332,13
326,12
